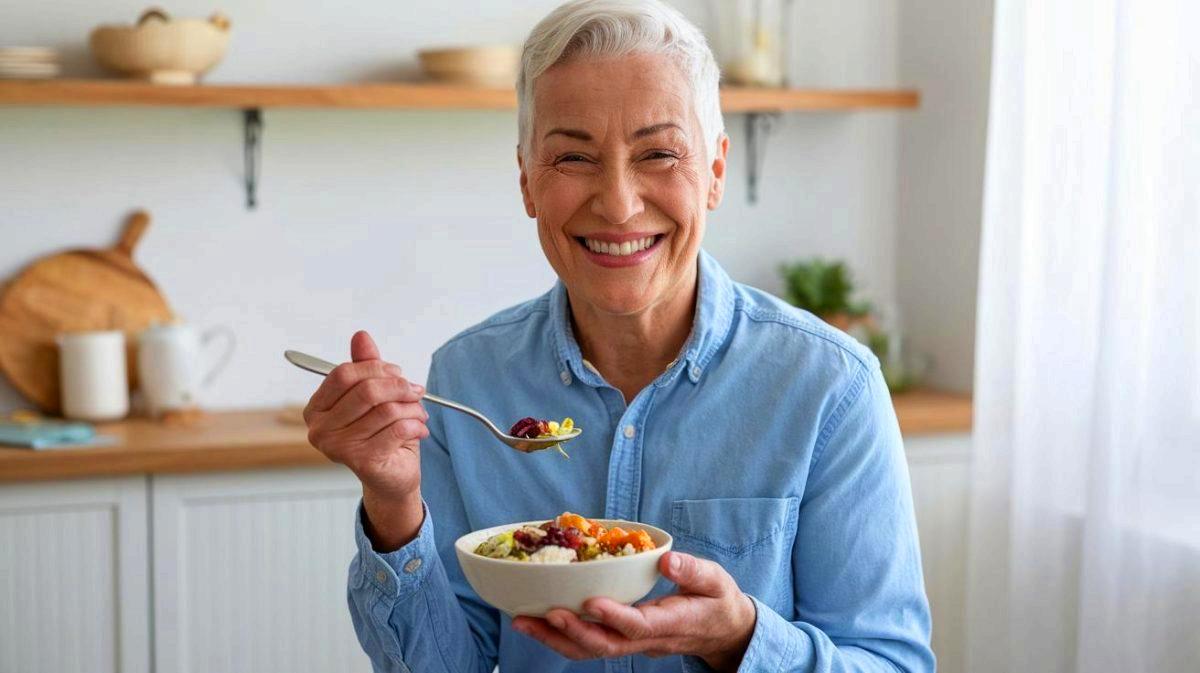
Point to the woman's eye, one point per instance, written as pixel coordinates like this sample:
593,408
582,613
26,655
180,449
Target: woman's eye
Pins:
571,157
660,155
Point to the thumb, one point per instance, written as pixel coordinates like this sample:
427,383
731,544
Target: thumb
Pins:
694,575
362,347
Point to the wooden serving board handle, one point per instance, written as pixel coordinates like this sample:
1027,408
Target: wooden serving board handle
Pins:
135,226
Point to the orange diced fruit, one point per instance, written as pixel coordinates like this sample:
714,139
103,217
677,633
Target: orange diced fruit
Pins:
569,520
616,539
641,540
613,538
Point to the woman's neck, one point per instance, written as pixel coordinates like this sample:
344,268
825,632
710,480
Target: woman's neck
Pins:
630,351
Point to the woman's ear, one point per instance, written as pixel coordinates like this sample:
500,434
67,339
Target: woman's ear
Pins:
530,210
716,189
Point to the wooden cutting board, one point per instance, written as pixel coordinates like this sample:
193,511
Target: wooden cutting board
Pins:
74,291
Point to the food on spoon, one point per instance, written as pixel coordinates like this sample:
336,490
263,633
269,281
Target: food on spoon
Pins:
533,428
569,538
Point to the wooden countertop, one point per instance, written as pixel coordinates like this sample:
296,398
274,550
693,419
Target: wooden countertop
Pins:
244,440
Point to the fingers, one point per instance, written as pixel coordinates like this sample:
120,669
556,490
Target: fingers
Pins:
403,431
695,575
597,639
344,377
566,633
362,347
628,621
367,394
381,416
547,635
659,619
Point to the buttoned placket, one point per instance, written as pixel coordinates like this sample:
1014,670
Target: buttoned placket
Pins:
624,486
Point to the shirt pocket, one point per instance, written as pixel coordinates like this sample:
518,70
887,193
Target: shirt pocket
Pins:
751,538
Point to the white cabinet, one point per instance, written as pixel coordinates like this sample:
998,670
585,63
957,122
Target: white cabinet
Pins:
250,572
74,588
939,466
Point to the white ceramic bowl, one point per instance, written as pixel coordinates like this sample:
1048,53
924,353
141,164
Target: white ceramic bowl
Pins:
523,588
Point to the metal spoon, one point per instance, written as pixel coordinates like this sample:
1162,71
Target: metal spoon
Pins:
322,367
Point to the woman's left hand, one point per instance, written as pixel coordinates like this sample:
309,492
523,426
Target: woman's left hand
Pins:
709,618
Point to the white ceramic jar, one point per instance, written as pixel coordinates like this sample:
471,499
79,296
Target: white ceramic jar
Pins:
92,375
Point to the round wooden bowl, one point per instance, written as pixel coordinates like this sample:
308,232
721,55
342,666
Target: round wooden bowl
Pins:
490,66
161,49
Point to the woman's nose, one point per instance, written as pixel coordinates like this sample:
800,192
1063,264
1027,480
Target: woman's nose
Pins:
618,200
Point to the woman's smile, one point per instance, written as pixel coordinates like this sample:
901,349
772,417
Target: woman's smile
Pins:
620,250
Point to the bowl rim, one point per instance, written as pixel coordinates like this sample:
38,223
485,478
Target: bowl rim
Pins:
657,551
469,49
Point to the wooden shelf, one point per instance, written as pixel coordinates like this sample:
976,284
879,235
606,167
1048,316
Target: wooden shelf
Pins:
931,411
413,96
758,105
263,439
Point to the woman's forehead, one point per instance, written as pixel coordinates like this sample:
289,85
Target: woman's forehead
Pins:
635,92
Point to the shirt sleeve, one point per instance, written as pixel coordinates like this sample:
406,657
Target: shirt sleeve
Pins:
412,609
860,601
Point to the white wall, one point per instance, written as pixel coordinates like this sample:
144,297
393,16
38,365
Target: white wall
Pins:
945,50
405,223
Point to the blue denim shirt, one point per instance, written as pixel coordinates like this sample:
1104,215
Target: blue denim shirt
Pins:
769,446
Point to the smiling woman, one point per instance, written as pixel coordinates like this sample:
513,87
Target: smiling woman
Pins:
797,545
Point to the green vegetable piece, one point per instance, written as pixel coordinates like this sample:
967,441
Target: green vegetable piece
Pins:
497,546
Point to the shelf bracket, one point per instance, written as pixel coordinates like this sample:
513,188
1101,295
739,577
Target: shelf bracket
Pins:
252,126
758,127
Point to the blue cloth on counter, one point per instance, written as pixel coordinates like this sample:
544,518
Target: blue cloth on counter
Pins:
769,446
45,434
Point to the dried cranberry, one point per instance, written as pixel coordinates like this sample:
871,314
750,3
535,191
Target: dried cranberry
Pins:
528,541
569,538
526,428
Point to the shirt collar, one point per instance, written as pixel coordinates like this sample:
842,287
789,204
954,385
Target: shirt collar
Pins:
710,327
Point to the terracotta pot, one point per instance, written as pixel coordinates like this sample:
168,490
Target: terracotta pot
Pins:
847,322
161,49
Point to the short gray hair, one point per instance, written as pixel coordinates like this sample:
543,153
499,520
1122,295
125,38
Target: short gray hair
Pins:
615,28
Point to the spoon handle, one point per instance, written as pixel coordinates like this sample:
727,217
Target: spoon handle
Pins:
324,367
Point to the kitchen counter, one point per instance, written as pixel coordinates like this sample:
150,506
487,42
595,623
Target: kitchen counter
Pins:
272,438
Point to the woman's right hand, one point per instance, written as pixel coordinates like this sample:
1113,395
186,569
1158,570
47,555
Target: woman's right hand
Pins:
368,417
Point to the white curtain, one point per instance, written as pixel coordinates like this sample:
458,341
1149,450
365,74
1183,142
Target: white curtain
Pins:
1085,521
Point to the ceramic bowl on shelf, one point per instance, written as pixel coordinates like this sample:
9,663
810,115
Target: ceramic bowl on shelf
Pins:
523,588
161,49
490,66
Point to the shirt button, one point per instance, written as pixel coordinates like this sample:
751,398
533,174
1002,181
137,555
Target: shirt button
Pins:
381,577
411,566
696,372
566,377
630,431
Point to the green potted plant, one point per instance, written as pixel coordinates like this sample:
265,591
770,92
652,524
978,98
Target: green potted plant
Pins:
825,289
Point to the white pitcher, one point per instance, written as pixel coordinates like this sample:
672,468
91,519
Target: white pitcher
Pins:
170,364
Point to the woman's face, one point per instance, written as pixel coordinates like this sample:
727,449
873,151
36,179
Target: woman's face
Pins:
618,179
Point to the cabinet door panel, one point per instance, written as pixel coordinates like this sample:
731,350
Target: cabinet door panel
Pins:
250,572
940,469
74,577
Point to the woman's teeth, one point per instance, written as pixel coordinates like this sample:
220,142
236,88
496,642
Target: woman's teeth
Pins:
618,249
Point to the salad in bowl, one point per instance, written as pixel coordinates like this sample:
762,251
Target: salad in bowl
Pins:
527,568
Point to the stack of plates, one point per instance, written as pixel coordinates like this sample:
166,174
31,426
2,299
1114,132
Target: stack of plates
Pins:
28,63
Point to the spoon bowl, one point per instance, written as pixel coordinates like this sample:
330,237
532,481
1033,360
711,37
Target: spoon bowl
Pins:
525,445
